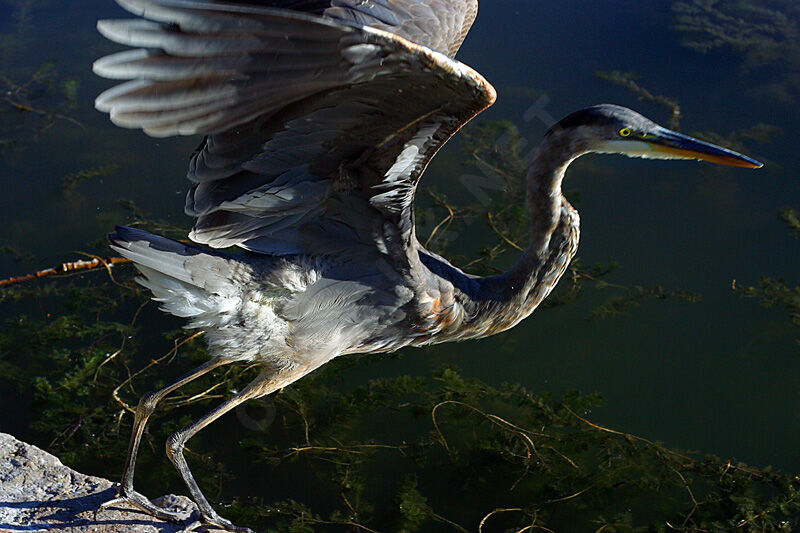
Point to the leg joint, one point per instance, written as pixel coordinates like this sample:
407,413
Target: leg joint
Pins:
148,402
175,444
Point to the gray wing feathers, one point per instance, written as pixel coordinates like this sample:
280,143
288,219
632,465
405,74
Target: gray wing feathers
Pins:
317,132
438,24
211,71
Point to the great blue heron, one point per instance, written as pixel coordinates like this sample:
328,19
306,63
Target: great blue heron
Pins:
319,121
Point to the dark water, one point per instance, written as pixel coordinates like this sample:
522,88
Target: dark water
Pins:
721,375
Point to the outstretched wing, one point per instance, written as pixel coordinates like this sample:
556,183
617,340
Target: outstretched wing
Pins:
440,25
317,132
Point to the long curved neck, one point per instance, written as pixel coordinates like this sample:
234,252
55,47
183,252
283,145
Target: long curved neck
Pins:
497,303
503,301
546,206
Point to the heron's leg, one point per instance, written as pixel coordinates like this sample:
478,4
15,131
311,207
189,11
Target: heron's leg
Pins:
146,406
265,384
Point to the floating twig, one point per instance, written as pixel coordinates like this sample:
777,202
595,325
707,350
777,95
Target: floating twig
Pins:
67,268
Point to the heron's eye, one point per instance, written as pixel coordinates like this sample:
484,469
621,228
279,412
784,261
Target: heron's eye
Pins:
625,132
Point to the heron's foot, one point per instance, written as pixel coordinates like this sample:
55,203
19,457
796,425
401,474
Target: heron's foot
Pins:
215,521
133,498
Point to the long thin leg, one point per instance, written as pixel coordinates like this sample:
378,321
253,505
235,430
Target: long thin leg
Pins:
146,407
265,384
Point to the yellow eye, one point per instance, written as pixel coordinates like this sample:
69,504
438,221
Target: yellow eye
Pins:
625,132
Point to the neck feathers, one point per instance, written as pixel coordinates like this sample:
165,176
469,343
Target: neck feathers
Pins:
550,214
554,240
544,197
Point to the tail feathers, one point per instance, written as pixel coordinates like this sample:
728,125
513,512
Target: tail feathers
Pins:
188,281
156,253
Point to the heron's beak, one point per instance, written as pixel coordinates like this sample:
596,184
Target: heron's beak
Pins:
675,145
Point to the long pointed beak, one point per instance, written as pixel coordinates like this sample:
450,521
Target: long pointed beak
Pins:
682,146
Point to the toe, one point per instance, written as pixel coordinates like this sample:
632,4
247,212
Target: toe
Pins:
134,499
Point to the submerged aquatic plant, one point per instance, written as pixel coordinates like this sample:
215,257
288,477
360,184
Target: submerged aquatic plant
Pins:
771,291
34,97
792,220
460,455
43,95
765,32
628,81
502,459
21,18
71,181
17,254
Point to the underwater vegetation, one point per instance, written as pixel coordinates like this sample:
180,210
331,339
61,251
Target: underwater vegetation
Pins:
792,220
760,133
766,33
763,30
512,461
21,23
628,81
460,455
43,94
772,291
18,255
71,181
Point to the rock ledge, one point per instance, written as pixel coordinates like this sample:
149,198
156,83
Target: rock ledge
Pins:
38,493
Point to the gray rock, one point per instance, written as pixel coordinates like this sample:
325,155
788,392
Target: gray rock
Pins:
38,493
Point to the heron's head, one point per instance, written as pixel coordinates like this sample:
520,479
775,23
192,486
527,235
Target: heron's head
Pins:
618,130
